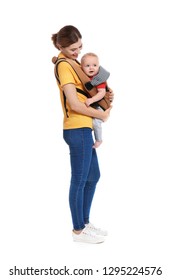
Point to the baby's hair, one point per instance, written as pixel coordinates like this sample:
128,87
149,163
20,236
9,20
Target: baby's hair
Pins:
88,54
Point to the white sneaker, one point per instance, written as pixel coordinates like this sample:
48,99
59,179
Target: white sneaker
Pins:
97,231
87,236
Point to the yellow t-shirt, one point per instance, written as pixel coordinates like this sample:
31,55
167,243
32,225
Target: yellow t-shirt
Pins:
72,119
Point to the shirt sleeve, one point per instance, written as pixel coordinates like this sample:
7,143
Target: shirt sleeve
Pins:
65,73
102,85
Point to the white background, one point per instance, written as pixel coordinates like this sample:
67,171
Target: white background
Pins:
132,197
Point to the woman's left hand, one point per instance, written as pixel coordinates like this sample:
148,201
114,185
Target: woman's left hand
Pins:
110,95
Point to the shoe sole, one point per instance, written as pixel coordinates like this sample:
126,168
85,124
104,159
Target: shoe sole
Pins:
89,242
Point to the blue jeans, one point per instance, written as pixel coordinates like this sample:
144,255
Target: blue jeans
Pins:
85,174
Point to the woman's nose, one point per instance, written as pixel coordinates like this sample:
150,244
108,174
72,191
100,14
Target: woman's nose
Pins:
77,52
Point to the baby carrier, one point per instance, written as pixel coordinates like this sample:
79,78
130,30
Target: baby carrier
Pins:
89,85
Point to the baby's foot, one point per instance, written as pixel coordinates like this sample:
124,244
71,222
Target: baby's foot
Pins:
97,144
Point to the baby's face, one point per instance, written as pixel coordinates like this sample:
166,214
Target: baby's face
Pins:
90,65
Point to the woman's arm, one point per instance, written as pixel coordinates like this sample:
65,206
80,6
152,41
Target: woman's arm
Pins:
80,107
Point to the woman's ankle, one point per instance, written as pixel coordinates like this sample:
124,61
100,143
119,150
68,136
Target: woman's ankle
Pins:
77,231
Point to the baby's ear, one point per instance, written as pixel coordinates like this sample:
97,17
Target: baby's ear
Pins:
54,59
88,86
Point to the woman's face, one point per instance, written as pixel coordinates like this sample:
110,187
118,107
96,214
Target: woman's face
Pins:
73,50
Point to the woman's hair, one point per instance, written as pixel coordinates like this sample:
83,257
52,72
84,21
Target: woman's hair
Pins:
66,36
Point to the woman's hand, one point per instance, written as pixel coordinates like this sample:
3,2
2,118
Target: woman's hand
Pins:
106,114
110,95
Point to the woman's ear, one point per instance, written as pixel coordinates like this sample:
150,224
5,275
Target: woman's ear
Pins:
59,47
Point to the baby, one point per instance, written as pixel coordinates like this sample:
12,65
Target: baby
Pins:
91,67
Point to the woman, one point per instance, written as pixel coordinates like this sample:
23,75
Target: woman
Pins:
77,133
